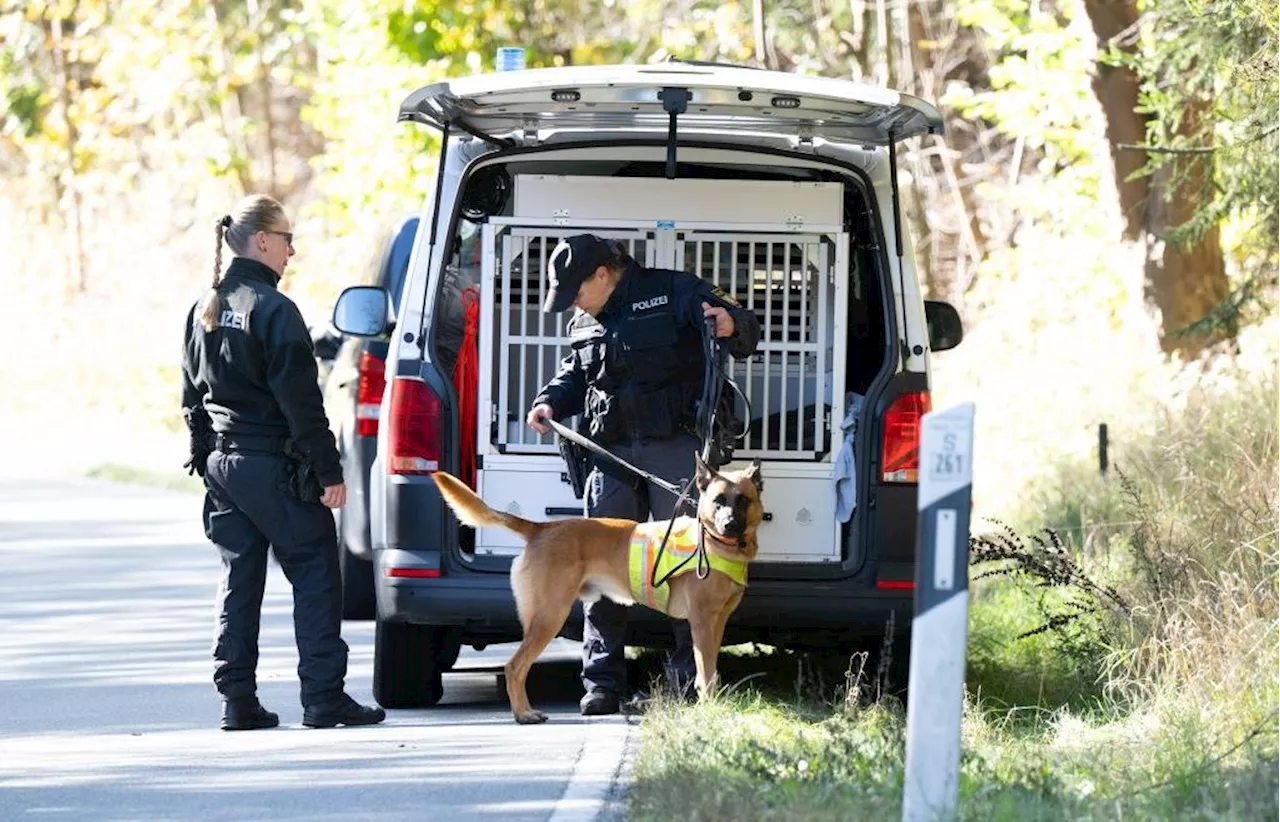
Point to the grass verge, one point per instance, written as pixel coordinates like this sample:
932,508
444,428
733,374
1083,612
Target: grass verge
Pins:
133,475
1124,671
770,749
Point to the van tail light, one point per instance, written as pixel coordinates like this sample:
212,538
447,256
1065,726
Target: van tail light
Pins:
414,433
901,453
413,573
369,394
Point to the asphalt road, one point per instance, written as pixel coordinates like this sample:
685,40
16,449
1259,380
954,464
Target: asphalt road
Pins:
107,711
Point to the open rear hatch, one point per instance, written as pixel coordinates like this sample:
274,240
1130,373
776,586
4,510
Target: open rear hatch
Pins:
792,271
646,98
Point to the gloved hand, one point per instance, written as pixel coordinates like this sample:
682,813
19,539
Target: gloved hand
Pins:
199,430
195,465
300,481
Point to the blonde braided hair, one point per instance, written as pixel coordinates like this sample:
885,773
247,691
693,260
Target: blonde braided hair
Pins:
254,213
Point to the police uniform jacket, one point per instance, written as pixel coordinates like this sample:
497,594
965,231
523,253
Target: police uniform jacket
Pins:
255,373
637,368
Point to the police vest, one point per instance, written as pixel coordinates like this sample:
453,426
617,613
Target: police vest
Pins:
643,367
681,547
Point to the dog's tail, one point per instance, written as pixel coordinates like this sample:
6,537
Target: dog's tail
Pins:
473,511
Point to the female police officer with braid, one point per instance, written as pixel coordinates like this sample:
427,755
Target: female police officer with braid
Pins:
261,441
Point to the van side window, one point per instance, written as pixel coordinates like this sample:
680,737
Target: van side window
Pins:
458,287
398,260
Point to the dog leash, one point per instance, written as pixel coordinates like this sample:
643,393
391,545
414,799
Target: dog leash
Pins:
704,564
574,436
703,568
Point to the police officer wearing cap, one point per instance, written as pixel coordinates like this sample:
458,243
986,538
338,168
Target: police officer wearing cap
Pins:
636,370
261,441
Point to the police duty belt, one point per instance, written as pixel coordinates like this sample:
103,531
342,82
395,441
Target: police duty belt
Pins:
575,437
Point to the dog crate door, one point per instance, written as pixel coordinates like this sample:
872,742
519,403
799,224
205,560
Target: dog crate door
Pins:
795,283
800,512
802,523
521,346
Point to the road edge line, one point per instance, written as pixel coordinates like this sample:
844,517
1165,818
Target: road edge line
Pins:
599,764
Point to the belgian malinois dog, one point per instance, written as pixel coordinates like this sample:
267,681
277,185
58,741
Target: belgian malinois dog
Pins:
593,557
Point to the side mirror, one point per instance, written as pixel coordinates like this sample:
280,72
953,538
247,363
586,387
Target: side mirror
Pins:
943,321
364,311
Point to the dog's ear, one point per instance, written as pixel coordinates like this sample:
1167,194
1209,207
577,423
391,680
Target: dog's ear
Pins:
704,475
753,474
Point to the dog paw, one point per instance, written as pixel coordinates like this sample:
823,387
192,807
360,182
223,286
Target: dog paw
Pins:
531,717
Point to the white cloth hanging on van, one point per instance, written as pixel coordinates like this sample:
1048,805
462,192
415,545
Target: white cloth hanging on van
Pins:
845,466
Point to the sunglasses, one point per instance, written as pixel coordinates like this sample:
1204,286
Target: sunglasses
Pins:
288,236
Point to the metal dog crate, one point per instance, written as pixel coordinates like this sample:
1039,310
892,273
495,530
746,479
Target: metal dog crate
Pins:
792,274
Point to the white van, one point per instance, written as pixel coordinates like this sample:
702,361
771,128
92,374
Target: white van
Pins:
779,189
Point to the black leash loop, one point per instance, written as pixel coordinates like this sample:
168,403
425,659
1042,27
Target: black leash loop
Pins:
704,561
712,387
714,379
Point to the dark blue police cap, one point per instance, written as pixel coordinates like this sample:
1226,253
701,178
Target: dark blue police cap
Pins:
573,260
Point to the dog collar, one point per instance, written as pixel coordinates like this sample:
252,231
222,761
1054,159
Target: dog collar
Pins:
714,537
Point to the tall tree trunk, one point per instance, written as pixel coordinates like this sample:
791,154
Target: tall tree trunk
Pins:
74,215
1183,283
231,107
880,51
856,38
1117,91
757,31
903,76
257,15
766,54
954,260
269,126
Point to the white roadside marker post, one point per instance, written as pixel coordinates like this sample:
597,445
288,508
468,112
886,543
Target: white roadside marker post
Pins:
940,629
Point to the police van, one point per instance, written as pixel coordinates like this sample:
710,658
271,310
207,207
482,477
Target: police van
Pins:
777,188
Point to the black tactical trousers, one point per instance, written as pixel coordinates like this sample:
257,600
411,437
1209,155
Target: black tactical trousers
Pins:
244,512
604,621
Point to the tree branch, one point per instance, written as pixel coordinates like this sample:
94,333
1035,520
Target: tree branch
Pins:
1162,149
1201,150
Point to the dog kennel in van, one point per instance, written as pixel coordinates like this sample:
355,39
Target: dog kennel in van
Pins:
777,247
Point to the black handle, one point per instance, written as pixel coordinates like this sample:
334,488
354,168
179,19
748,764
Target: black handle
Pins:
553,511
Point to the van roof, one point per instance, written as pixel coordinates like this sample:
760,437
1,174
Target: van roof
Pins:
629,98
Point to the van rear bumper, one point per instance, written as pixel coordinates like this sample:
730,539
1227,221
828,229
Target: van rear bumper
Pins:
785,613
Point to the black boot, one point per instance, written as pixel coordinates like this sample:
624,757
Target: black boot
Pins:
246,714
344,711
599,703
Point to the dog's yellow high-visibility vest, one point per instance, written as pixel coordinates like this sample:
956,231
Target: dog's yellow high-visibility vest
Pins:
681,546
